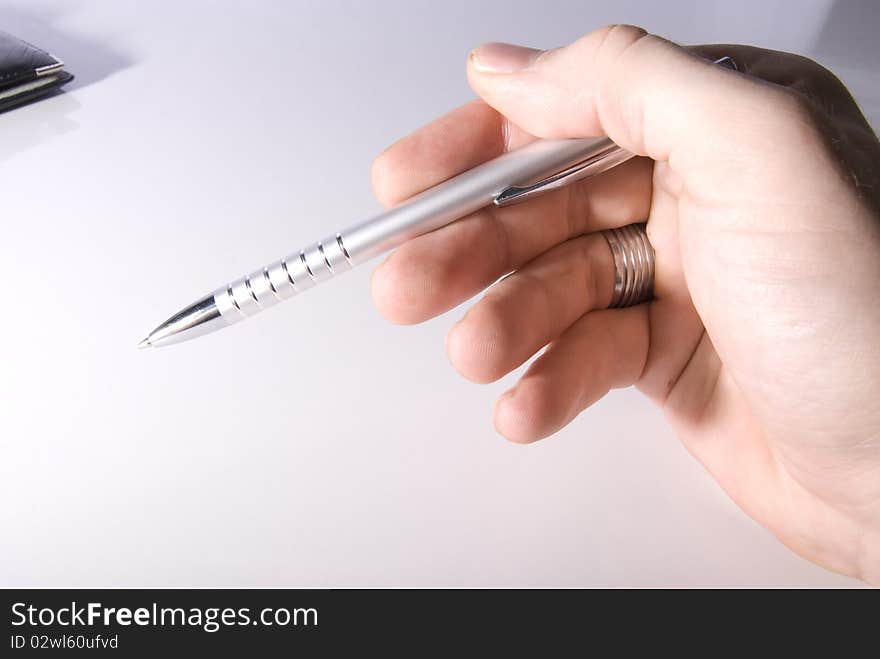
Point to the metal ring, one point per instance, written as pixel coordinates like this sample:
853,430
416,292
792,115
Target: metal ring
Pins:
633,265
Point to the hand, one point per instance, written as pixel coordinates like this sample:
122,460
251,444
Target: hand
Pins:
761,190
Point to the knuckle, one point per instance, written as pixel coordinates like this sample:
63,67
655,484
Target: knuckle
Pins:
614,40
794,115
614,59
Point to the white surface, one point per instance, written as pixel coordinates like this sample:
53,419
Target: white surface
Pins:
202,139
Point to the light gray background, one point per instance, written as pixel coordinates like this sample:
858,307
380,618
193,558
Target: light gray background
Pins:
315,445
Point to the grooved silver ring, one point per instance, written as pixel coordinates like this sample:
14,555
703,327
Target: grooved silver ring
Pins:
633,265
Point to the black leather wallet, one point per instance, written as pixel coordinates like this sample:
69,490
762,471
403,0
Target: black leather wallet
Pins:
27,72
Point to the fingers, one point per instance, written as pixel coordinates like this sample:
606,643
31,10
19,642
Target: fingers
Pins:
601,351
460,140
532,307
437,271
648,94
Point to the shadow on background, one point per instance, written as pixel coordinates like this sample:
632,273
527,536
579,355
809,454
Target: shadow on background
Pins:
90,61
850,34
849,45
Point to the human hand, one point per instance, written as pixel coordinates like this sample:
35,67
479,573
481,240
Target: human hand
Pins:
762,197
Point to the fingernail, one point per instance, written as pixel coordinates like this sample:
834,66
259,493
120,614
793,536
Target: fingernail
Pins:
503,57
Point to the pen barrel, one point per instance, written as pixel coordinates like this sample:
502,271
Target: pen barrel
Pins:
283,279
436,207
466,193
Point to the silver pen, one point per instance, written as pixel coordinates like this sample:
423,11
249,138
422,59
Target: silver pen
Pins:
514,176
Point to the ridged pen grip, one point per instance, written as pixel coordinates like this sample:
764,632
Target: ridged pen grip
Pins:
283,279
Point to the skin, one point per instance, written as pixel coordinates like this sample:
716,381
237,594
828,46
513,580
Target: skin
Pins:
761,189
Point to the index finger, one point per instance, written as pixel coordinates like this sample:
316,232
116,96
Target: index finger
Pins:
459,140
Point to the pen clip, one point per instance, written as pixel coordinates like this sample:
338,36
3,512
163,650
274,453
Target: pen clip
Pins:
606,155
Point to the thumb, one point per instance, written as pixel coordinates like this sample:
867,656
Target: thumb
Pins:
647,94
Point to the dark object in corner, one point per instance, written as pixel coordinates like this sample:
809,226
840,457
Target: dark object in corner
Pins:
26,72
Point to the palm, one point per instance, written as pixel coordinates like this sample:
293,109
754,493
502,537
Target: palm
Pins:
684,373
746,413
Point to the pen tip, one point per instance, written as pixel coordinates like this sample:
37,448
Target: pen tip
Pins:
145,344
